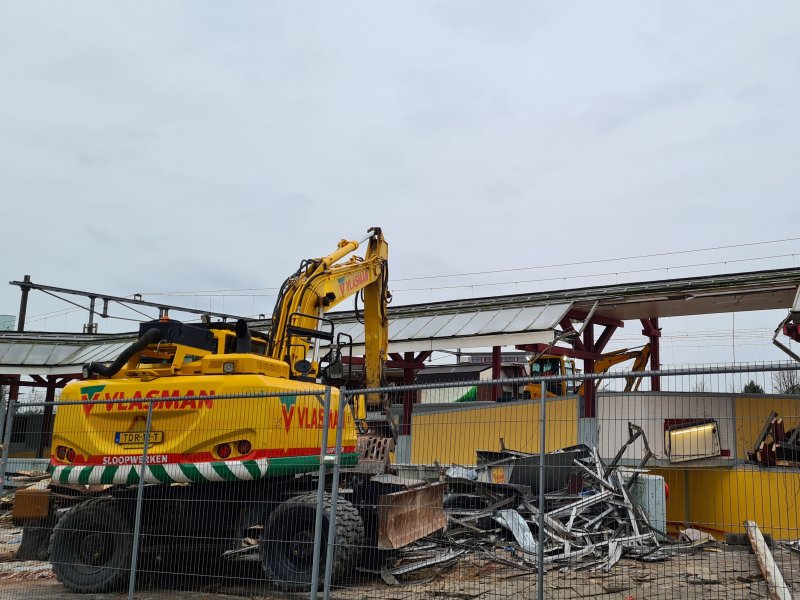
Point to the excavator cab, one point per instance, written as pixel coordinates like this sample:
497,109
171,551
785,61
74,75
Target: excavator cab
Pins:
548,365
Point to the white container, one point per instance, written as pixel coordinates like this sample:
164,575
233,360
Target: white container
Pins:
650,494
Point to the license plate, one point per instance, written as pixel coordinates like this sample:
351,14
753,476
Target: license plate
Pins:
136,438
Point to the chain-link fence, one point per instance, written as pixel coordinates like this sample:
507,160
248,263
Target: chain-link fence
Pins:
686,488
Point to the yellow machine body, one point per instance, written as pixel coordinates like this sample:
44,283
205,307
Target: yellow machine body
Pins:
206,426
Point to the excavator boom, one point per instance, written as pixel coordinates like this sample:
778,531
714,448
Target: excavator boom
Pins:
640,358
298,323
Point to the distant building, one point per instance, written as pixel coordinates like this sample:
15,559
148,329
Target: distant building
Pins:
485,358
8,322
469,376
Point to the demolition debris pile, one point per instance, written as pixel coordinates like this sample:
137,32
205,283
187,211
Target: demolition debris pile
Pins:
591,518
775,445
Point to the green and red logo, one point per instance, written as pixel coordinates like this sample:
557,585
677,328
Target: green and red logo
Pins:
307,417
166,399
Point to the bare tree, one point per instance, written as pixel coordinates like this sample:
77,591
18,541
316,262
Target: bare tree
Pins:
786,382
700,385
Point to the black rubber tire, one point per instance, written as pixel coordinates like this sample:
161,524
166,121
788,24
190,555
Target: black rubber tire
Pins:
91,547
287,543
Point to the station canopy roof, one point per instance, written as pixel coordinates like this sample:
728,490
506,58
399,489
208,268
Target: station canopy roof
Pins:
467,323
34,353
470,328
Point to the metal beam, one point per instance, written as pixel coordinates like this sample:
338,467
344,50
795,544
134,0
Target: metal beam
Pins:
580,314
559,351
649,328
24,287
422,357
28,285
589,408
668,297
495,370
566,326
653,332
474,341
390,364
604,338
409,396
47,419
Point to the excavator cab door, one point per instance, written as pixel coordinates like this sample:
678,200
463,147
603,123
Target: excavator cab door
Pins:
305,338
335,373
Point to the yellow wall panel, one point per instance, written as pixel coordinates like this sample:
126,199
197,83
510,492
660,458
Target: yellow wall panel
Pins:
720,500
453,436
751,413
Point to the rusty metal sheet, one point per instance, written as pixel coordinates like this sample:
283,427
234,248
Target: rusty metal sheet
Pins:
32,502
404,517
373,453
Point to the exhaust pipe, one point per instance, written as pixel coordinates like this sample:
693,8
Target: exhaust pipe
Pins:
109,370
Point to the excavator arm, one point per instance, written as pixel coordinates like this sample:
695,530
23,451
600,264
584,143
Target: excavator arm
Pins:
319,285
610,359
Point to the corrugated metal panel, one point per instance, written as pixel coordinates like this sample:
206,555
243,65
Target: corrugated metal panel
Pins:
16,354
46,353
456,324
99,352
477,323
353,329
397,326
434,326
467,328
414,327
501,320
550,316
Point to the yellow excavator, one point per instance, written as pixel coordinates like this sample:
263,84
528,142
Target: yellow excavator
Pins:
556,365
234,443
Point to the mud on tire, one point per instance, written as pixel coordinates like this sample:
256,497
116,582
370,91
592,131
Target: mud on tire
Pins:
287,543
91,547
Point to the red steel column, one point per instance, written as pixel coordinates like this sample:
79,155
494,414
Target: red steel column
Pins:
655,355
47,419
589,408
495,371
409,396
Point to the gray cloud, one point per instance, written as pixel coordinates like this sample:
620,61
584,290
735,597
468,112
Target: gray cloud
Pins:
189,146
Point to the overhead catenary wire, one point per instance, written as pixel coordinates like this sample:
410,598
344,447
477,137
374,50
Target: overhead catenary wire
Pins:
589,275
250,291
233,294
602,260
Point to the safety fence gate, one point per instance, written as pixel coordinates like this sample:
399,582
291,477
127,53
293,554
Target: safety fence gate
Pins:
680,483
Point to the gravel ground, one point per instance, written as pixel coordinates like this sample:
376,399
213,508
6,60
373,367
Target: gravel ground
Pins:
716,573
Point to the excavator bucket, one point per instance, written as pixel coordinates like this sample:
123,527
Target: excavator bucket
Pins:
374,453
409,515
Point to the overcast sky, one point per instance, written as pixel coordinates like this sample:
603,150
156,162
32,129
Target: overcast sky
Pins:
153,147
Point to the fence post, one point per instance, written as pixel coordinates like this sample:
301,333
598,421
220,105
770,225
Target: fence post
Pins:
323,451
137,523
334,498
542,448
12,408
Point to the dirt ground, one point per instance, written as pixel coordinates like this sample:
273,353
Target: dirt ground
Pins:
712,573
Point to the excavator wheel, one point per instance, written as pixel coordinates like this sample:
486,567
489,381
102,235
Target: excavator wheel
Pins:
287,543
91,547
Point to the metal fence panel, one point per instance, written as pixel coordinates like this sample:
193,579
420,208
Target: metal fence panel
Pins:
515,498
